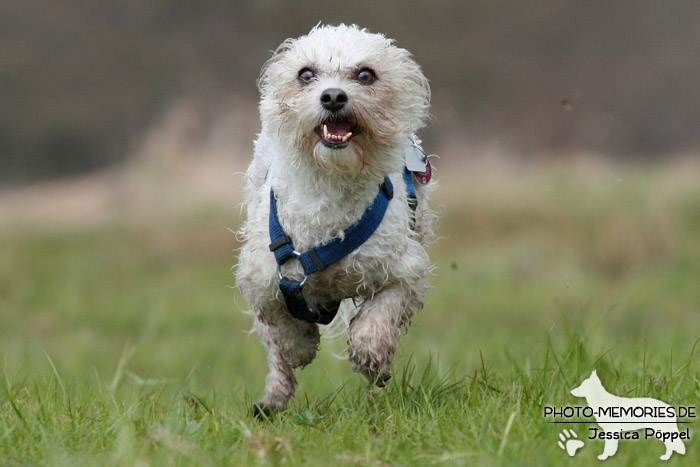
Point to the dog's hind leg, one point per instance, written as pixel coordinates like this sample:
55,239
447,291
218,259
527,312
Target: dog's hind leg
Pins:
375,331
290,344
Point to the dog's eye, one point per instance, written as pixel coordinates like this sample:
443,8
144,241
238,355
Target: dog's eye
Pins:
366,76
306,75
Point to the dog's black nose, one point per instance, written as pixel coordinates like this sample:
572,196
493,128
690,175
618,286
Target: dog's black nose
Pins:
334,99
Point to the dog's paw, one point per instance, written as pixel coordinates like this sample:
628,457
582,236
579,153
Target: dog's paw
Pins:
262,411
378,379
382,378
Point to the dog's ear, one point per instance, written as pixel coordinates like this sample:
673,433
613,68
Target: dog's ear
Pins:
263,81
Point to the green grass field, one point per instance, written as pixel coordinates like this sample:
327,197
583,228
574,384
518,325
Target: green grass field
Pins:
124,342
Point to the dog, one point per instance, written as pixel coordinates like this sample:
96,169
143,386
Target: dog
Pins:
339,110
608,410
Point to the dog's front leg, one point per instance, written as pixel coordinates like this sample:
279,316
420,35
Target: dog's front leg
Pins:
374,334
290,344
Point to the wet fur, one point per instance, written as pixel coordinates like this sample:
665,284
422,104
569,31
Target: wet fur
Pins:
322,191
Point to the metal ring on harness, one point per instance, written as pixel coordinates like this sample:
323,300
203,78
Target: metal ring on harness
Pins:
295,254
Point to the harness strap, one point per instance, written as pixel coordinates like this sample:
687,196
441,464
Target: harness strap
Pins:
411,197
298,308
322,256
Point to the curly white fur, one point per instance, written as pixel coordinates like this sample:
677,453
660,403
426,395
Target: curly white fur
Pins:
322,190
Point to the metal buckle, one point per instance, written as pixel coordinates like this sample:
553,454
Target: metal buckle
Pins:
296,254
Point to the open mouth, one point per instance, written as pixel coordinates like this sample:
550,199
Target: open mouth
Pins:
335,134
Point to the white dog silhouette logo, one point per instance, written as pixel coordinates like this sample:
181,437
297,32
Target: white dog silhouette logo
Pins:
619,415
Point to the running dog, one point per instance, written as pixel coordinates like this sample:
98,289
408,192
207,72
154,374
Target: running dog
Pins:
333,211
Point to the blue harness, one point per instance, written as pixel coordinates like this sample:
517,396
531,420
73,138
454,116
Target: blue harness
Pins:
411,198
322,256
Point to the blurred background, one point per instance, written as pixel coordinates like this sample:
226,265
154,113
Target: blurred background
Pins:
568,135
83,84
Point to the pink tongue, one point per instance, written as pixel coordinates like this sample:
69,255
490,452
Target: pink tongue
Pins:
338,128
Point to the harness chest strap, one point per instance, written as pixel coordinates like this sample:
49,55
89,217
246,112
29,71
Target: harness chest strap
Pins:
322,256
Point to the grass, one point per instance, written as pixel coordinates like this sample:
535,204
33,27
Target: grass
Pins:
123,342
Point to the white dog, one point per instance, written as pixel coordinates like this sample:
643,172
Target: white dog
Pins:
329,193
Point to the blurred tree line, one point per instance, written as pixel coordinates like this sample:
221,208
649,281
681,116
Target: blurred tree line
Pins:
81,80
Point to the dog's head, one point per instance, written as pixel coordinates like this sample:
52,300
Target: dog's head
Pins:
343,96
589,386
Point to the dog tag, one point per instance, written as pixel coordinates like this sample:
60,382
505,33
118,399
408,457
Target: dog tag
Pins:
415,159
424,177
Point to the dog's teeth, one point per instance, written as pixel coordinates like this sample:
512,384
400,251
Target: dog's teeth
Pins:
328,136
